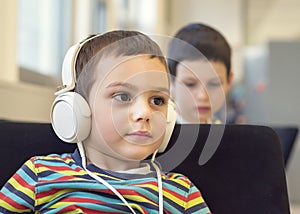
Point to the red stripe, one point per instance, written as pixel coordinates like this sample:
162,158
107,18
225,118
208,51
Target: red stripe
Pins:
46,193
84,200
58,168
177,195
73,207
194,195
22,182
54,191
12,202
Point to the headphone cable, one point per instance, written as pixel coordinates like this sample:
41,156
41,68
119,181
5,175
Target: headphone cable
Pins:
101,180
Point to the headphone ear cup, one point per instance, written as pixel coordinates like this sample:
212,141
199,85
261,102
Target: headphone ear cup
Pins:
171,120
71,117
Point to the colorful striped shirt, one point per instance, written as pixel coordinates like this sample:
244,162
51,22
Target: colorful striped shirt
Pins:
59,184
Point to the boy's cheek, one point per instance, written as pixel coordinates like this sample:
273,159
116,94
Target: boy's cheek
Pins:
186,100
183,95
217,103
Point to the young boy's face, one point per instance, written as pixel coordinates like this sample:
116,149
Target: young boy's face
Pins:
199,89
129,107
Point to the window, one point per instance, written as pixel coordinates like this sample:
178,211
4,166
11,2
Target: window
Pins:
44,29
47,28
99,21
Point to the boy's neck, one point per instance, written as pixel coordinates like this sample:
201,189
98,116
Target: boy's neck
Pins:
107,162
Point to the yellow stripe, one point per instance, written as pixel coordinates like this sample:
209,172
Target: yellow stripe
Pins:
182,183
61,204
48,198
65,204
68,171
172,198
11,208
139,199
195,201
21,188
72,173
167,193
136,206
151,186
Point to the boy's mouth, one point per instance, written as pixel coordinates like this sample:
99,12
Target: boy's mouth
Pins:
203,109
139,136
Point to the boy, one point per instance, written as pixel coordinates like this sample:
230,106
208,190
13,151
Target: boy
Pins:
199,57
121,95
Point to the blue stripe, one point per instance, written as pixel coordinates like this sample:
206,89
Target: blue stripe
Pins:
28,172
16,198
22,196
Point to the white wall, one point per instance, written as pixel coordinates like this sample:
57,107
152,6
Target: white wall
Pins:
24,102
8,23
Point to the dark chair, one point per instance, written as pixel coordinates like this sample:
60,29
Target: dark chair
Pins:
287,137
244,175
238,168
20,141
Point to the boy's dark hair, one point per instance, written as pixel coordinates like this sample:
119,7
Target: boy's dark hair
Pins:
198,41
114,43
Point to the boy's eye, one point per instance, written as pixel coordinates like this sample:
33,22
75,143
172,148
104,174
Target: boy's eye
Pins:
158,101
122,97
214,84
189,84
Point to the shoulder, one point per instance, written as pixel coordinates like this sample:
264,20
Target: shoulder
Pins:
53,166
178,180
180,186
50,160
175,175
52,157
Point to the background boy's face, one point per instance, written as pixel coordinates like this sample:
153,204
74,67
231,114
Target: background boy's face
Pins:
129,106
199,89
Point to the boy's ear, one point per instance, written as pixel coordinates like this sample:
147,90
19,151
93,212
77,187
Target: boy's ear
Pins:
230,79
172,87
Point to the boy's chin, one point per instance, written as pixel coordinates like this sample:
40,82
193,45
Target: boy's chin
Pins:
136,154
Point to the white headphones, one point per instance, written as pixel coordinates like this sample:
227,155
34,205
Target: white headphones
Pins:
70,112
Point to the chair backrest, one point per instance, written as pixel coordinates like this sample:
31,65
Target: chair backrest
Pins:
20,141
244,175
287,137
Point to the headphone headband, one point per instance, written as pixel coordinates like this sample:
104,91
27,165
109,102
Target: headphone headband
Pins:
69,66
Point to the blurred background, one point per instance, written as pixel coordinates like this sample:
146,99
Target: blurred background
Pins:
264,36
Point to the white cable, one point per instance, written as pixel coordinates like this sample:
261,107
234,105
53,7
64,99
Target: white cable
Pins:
159,183
83,158
158,173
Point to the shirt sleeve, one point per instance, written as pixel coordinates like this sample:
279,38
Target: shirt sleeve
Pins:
195,202
18,194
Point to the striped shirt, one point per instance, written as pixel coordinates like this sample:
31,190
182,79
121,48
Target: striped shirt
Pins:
59,184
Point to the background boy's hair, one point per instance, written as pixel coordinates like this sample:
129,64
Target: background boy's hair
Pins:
114,44
208,41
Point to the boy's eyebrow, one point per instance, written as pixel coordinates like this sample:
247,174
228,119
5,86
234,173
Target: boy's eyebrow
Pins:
118,84
130,86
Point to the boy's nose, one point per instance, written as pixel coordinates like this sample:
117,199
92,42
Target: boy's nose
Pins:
201,93
140,110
